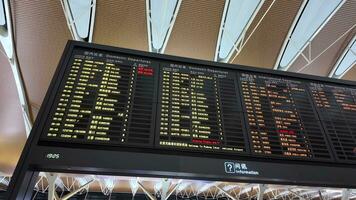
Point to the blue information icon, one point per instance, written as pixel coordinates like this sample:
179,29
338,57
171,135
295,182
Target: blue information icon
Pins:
229,167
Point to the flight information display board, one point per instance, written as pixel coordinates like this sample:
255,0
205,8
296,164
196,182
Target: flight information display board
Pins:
120,99
337,108
281,118
199,109
105,98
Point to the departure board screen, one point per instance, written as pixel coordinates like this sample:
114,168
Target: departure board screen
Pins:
105,98
199,109
337,109
125,98
281,119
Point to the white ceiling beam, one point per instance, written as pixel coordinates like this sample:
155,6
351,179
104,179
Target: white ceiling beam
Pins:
339,60
72,23
8,43
240,39
327,48
290,32
206,187
169,31
248,188
69,195
51,179
244,42
225,193
5,180
261,190
150,196
171,192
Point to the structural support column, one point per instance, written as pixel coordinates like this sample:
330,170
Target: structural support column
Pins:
261,191
51,178
52,194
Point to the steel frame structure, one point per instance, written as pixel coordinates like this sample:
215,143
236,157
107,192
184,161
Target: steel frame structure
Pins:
169,31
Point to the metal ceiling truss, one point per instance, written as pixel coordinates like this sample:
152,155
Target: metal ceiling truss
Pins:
239,43
52,184
340,59
72,23
308,43
4,181
310,61
61,187
8,42
149,27
244,40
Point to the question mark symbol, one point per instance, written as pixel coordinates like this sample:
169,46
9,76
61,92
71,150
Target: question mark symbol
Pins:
229,166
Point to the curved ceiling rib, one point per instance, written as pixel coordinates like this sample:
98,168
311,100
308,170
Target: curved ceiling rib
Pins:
8,43
161,16
12,129
80,16
266,34
346,61
40,33
311,19
237,18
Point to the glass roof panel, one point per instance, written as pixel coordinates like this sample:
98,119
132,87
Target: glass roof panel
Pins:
2,14
347,61
161,13
81,10
313,17
238,15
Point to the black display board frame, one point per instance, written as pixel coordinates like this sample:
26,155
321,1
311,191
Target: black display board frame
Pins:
62,157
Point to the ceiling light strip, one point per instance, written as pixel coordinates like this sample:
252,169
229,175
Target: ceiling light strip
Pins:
290,33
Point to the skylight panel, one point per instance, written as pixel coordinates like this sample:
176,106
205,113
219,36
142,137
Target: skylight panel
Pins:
315,15
161,16
346,61
81,13
2,13
238,15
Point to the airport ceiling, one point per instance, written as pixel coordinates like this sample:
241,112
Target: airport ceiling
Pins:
257,33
